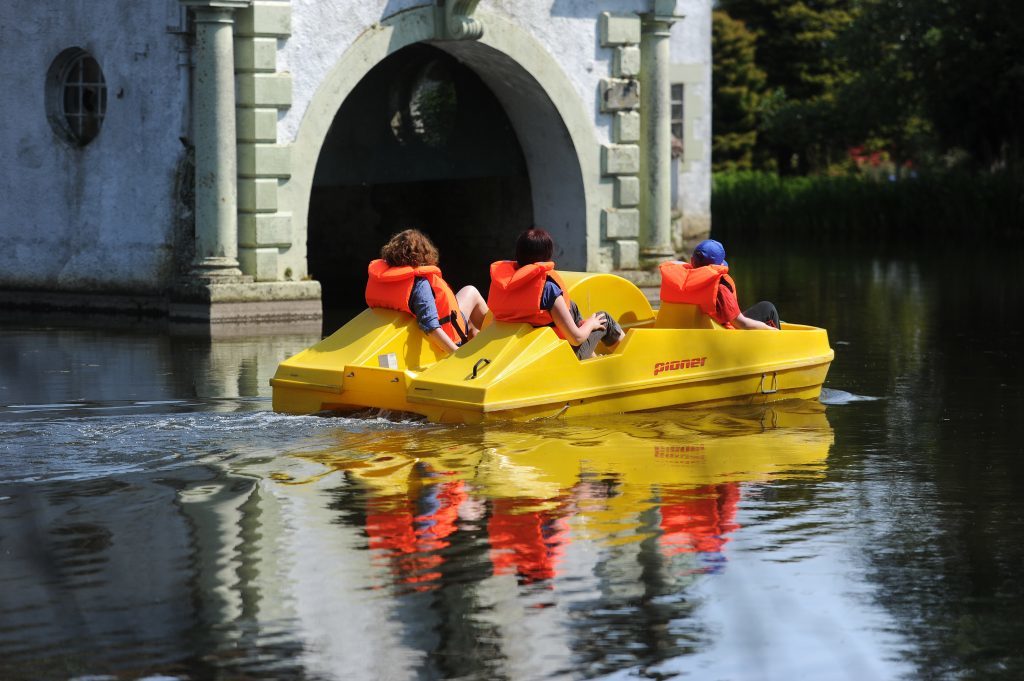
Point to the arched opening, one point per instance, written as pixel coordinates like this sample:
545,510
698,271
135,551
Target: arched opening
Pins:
421,141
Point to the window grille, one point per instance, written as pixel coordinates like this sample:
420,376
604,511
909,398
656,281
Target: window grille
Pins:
77,94
677,111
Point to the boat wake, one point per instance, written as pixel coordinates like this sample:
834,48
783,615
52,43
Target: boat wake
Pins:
86,440
830,397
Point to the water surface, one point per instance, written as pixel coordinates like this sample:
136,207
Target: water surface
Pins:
157,519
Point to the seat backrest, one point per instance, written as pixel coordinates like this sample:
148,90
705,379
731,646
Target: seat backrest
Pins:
619,297
683,316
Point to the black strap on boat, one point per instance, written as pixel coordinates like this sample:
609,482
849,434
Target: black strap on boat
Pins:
452,319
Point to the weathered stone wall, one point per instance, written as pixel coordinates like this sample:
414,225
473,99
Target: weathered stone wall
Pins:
567,29
691,59
109,216
99,217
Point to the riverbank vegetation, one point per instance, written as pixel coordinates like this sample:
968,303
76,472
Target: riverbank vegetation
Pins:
869,115
855,205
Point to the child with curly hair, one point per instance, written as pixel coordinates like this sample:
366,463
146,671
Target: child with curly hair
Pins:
407,278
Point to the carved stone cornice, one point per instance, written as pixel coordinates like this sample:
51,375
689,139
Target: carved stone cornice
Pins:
215,11
662,15
216,4
459,22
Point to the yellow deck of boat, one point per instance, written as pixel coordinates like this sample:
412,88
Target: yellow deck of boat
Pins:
669,357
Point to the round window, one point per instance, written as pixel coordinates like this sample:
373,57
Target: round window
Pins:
76,96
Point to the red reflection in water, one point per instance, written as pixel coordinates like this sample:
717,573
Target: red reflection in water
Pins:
527,543
412,542
698,520
524,541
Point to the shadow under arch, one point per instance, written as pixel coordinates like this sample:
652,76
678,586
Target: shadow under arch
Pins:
554,127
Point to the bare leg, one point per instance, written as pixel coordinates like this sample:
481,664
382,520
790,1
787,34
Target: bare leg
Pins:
473,307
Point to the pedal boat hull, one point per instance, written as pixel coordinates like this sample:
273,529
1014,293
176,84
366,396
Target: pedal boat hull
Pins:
672,357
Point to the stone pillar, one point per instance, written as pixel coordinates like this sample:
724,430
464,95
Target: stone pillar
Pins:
264,163
213,133
656,133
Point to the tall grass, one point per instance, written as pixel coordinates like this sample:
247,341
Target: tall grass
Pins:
837,208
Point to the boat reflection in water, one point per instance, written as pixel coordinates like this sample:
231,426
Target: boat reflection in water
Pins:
511,550
672,480
304,547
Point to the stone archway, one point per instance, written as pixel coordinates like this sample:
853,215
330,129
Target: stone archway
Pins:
420,142
553,126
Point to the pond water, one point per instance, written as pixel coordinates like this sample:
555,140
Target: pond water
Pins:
158,520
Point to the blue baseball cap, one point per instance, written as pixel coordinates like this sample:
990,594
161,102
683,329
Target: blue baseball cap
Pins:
710,252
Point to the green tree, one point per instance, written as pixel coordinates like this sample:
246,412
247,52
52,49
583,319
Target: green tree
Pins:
738,86
955,67
797,47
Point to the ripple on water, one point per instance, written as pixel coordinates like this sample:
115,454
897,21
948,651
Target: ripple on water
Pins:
831,396
69,445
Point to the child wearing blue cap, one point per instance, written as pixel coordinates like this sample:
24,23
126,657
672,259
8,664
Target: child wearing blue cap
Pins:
723,304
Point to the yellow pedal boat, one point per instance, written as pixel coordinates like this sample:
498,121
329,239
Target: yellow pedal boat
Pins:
673,356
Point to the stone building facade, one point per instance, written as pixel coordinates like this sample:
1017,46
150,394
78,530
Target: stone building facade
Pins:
243,159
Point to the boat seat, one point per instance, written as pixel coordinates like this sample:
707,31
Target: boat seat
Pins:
591,292
683,316
619,297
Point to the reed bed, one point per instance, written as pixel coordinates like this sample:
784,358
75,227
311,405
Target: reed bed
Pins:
854,206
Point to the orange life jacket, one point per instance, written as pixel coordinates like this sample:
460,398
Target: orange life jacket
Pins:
515,292
681,282
390,287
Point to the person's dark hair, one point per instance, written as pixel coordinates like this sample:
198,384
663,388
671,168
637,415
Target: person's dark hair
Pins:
410,248
534,245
